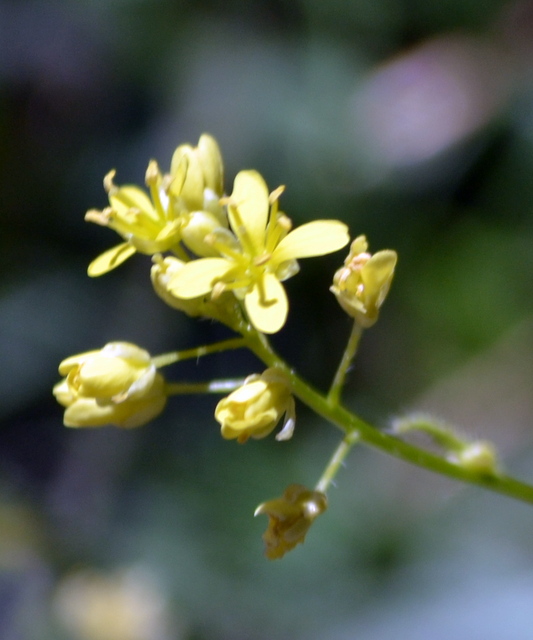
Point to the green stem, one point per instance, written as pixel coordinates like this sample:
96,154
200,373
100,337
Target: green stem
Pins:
348,423
214,386
165,359
347,358
336,461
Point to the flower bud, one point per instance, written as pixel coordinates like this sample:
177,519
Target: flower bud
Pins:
479,457
162,271
290,518
254,410
361,286
222,308
115,385
195,169
197,225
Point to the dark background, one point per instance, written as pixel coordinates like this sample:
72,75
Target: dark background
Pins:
411,120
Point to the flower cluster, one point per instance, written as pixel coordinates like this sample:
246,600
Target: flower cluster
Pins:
223,257
240,244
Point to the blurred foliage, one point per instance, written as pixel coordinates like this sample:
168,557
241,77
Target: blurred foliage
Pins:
85,87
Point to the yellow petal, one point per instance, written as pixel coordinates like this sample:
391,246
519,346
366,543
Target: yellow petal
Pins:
63,394
359,245
129,197
192,190
176,164
377,273
196,278
250,196
312,239
110,259
178,171
211,160
105,377
86,412
66,365
267,314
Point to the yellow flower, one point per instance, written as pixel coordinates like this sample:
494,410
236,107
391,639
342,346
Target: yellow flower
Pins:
361,286
290,518
261,254
116,385
154,224
254,410
148,226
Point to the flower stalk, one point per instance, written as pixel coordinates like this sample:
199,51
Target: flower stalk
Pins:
166,359
346,360
336,461
214,386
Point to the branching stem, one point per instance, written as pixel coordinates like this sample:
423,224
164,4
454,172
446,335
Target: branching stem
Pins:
350,423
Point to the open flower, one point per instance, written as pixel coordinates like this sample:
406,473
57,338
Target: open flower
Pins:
147,225
362,284
289,518
152,224
261,254
254,409
116,385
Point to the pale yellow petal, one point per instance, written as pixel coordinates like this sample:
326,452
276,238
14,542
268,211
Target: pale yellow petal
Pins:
312,239
379,268
110,259
63,393
377,274
86,412
196,278
128,197
359,245
250,196
178,172
268,313
192,190
176,164
71,362
211,160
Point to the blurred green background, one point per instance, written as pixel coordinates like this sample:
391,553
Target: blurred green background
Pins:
412,120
